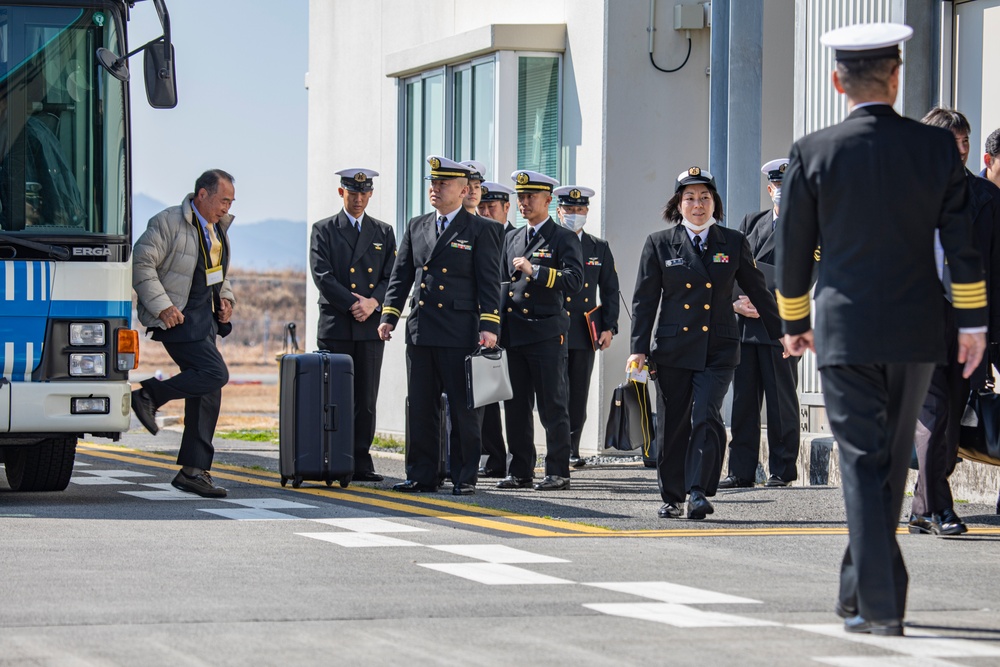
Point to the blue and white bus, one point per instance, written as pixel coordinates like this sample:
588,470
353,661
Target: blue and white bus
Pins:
66,341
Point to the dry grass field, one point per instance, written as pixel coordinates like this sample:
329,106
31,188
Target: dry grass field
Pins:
265,303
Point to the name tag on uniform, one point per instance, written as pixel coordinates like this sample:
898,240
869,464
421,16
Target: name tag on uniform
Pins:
461,245
674,262
720,258
377,246
214,275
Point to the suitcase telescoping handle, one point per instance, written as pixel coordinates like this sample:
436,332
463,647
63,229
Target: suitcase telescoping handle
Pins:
330,418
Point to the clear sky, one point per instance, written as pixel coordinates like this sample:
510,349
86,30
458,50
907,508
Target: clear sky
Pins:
241,68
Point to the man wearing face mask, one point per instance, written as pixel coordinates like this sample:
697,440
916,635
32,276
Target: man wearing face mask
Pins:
598,272
763,369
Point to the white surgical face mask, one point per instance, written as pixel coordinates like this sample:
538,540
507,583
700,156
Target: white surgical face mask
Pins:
574,221
776,197
697,229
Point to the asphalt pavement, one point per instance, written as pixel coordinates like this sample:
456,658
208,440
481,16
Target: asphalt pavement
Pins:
120,569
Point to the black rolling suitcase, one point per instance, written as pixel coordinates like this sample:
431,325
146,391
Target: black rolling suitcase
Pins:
444,437
316,418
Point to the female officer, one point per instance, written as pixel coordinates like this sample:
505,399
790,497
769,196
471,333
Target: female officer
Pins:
688,271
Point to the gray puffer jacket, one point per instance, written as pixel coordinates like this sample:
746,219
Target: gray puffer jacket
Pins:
164,261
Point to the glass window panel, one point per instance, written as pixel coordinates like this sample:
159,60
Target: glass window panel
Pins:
62,120
414,148
462,94
538,115
483,115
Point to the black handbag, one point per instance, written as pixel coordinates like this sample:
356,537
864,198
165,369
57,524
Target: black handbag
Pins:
630,420
980,433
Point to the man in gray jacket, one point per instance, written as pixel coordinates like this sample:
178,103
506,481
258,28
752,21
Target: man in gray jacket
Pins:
179,268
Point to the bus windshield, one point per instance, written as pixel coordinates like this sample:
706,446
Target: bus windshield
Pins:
62,124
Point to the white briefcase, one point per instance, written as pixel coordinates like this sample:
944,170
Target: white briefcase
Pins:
486,377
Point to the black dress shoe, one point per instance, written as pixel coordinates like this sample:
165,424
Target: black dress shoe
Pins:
463,490
924,525
669,511
577,462
698,505
491,473
410,486
367,477
145,410
774,480
552,483
511,482
858,625
200,484
734,482
844,611
951,524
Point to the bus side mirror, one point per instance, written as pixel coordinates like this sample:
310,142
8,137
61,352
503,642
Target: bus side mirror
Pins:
161,84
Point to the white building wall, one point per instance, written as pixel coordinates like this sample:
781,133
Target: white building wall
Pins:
627,129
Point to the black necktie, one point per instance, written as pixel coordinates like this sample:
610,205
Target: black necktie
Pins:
357,225
442,223
531,234
697,245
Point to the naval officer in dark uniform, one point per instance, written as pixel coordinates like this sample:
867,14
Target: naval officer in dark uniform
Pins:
600,278
350,258
494,205
687,273
452,259
542,264
875,187
764,370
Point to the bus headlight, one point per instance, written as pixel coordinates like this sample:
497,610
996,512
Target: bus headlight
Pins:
86,333
87,365
90,405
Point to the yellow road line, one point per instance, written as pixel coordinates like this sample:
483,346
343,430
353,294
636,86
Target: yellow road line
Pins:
447,510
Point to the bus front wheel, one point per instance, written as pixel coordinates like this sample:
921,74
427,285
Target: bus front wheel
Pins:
46,466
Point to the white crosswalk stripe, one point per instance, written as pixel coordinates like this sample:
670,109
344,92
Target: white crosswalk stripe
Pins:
251,514
494,574
360,539
916,643
370,525
496,553
675,593
885,661
677,615
268,503
163,492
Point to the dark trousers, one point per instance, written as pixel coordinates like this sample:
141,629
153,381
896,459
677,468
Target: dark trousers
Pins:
538,373
872,411
580,367
429,372
692,433
200,382
367,356
763,373
493,445
938,428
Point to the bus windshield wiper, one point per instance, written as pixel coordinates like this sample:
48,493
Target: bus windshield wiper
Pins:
57,252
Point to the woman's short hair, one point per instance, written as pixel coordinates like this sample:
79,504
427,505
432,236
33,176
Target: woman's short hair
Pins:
949,119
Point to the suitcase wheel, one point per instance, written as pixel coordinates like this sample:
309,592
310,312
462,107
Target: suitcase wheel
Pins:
284,480
296,482
344,481
329,482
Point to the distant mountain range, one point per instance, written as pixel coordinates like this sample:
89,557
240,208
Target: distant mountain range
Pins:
257,246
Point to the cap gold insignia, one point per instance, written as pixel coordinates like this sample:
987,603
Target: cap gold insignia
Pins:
486,191
360,177
523,178
694,171
575,194
783,167
435,163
